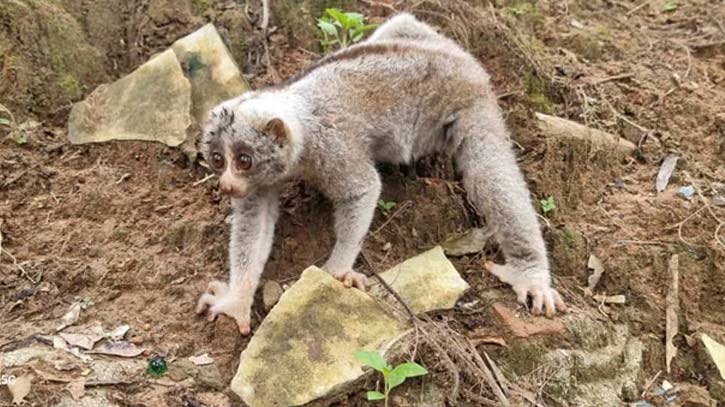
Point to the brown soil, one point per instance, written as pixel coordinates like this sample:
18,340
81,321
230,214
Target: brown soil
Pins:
125,225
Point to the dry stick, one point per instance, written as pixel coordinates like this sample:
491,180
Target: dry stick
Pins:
390,218
634,10
203,180
709,209
265,15
649,384
487,374
613,78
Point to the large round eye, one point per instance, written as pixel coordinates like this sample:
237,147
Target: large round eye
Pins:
244,162
217,161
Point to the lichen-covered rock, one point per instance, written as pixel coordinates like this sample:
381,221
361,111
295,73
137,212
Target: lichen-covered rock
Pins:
425,282
210,68
603,368
152,103
304,348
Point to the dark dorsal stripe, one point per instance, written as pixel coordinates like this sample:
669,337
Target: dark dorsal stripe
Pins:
346,54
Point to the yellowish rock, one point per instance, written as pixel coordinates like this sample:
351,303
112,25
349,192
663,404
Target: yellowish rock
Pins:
425,282
152,103
304,348
211,70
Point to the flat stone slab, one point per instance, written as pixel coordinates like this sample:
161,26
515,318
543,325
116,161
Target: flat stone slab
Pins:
162,98
304,348
152,103
425,282
209,66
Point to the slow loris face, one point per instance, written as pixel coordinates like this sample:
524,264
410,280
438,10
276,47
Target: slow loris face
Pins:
244,155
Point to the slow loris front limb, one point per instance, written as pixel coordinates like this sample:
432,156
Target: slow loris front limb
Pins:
252,233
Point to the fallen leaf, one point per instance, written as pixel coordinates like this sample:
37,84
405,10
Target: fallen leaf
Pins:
84,341
672,302
665,172
60,343
214,399
471,241
202,360
20,388
480,338
120,348
717,353
523,329
70,317
597,267
77,389
118,333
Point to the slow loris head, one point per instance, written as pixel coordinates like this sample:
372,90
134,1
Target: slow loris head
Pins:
245,150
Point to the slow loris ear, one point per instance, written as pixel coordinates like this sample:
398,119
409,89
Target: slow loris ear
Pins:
276,129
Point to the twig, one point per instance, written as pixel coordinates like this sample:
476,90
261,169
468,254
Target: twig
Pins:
636,9
265,15
612,78
411,314
390,218
649,384
203,180
709,209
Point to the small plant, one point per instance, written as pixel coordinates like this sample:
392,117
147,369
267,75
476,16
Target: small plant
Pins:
393,377
670,6
386,207
342,28
548,204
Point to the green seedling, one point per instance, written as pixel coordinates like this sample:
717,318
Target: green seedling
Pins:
548,204
386,207
342,28
393,377
669,6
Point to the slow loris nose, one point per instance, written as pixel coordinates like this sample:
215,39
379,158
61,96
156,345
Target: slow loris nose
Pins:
226,189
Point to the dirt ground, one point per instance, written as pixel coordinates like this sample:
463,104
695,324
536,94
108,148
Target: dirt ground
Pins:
127,226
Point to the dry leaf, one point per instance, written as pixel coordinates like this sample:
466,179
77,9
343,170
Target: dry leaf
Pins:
122,349
77,389
666,169
70,317
118,333
20,388
525,329
60,343
717,353
478,338
202,360
597,267
672,302
81,340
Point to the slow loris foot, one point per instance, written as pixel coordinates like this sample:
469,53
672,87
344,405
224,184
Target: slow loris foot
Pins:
352,279
219,299
526,283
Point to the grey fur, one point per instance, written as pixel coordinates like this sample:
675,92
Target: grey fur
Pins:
404,93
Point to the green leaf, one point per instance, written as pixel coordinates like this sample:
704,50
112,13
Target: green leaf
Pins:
372,359
670,6
395,380
4,122
410,369
375,395
327,27
338,15
548,204
370,27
